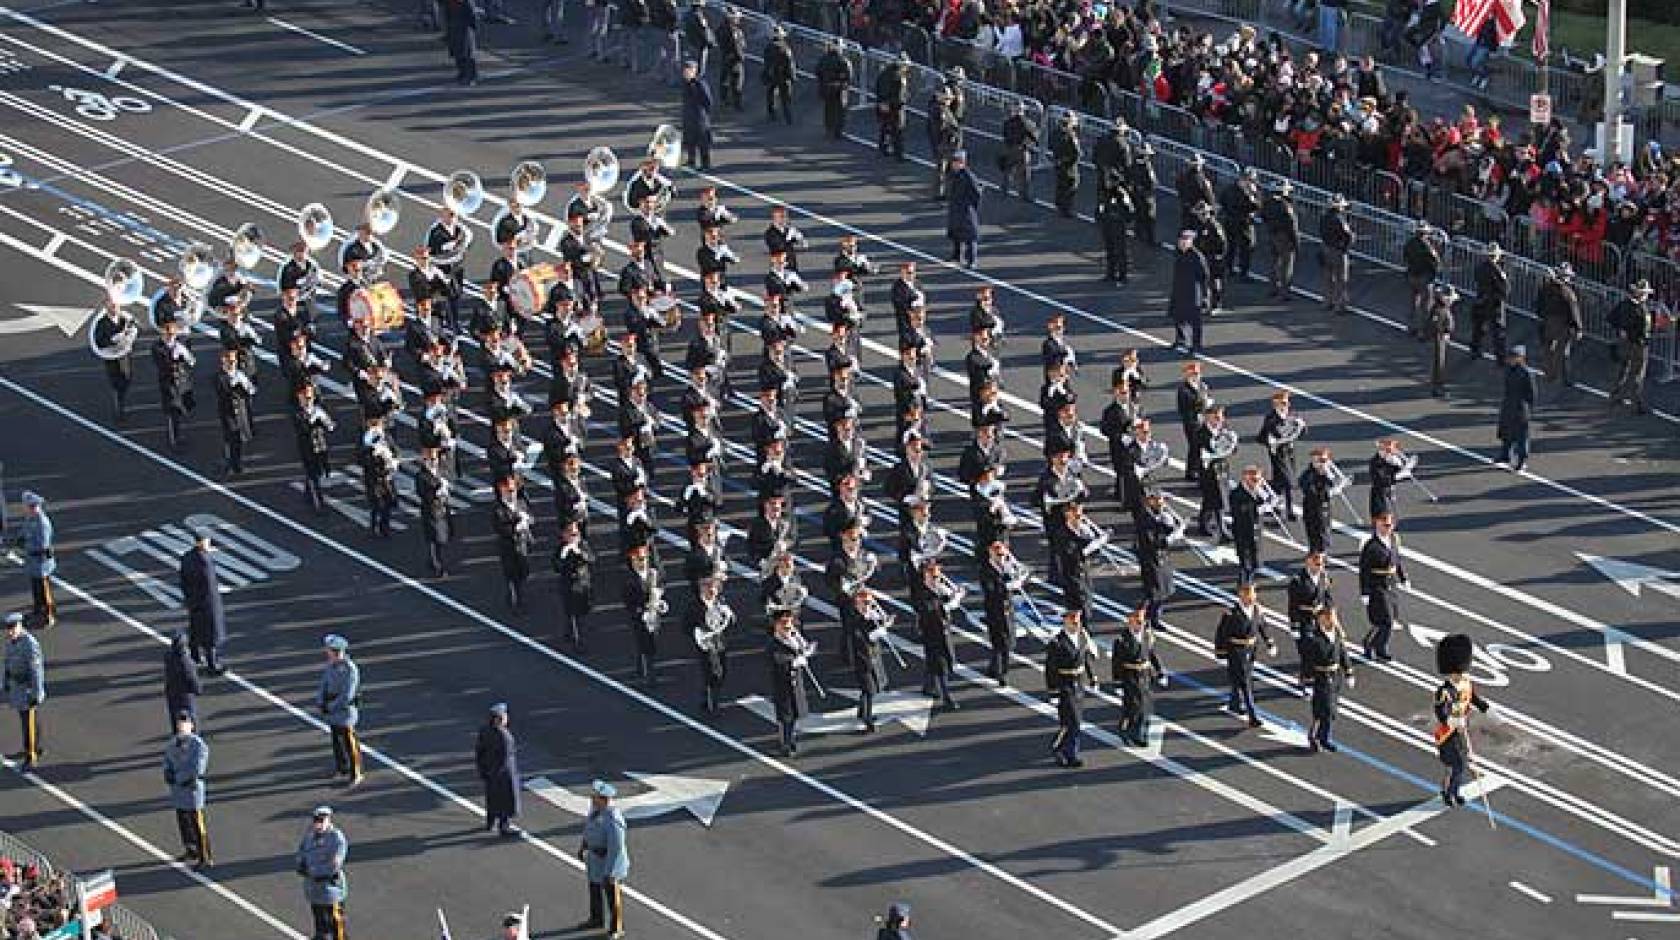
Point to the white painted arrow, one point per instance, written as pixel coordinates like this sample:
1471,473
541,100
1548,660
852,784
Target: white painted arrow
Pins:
666,793
1633,577
1662,894
911,710
1292,735
68,320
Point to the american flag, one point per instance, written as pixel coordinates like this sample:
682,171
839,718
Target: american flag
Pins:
1469,15
1542,29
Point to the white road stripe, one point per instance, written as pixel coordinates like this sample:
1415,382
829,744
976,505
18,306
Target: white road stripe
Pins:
128,835
1521,888
251,118
277,21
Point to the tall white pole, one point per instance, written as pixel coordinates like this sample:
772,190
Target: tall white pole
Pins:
1615,55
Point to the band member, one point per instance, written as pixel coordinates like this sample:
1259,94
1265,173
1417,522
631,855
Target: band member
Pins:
24,684
447,242
113,333
1076,540
705,559
1381,575
1155,533
649,228
301,366
642,322
230,290
1002,577
709,617
850,566
1069,664
984,452
170,304
354,276
644,602
186,761
1215,444
1317,490
781,238
363,349
1193,401
1142,457
773,530
1242,626
845,510
320,861
776,372
583,255
866,624
301,274
638,421
1135,666
790,656
234,391
1384,468
574,562
911,476
1454,698
1324,661
1309,592
839,403
174,361
311,426
937,600
287,323
1116,427
378,391
1247,504
627,472
339,699
771,477
378,459
1278,432
432,488
513,522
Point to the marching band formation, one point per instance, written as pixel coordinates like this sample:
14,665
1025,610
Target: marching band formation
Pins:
465,341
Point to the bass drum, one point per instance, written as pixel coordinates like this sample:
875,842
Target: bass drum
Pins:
594,331
528,290
379,303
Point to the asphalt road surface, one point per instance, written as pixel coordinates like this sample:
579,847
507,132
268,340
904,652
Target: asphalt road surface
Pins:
132,130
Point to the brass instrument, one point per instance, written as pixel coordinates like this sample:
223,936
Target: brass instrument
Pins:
1339,483
805,649
666,146
246,246
1289,431
1176,536
931,545
869,563
950,594
125,283
121,344
315,226
1098,543
600,175
717,619
656,607
791,596
319,417
463,192
880,628
1407,470
1153,457
383,209
197,266
1223,444
528,183
1272,504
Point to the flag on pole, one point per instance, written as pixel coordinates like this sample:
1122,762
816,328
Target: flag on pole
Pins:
1542,30
1469,16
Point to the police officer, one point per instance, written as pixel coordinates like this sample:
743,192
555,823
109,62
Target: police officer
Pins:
181,685
496,756
1140,179
320,862
25,686
605,851
1194,190
1336,235
777,75
1559,309
201,591
1067,151
1211,242
1487,314
732,60
892,94
834,77
1634,320
186,759
1112,155
1423,265
1283,230
1238,203
35,541
1114,221
339,698
1020,139
945,135
1437,330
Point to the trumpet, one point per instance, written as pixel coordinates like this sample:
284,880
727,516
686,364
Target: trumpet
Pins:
1176,534
511,354
949,593
319,418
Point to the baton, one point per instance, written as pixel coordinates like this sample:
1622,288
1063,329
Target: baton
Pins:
1476,771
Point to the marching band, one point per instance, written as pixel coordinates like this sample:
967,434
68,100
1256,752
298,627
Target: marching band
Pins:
562,301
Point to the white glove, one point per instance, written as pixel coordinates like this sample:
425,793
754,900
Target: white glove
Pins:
1456,722
1350,681
1271,649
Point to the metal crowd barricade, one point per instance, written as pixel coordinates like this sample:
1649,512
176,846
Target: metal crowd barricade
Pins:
987,107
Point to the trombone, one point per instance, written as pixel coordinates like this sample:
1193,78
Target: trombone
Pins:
881,623
1408,471
1338,487
1272,505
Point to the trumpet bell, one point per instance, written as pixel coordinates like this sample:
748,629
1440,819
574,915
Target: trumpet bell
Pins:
246,245
124,283
463,192
600,171
197,266
315,226
666,146
528,183
383,210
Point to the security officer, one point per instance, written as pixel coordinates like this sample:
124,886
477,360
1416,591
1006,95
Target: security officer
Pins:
25,686
1212,243
1194,190
320,862
892,94
777,74
35,541
834,77
1560,321
1423,265
1238,202
1487,314
1283,230
1140,179
1437,330
497,758
1114,221
1067,151
945,135
1336,235
339,698
186,759
1020,139
1633,319
732,60
201,591
606,861
1112,156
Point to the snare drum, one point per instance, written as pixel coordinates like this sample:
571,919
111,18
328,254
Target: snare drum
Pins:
528,290
380,303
